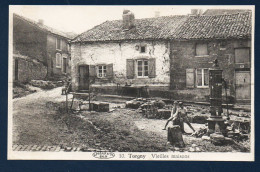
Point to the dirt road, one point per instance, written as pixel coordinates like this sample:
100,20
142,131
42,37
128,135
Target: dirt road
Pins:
36,124
32,120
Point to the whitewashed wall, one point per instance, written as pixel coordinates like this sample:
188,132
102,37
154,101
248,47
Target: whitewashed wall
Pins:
117,53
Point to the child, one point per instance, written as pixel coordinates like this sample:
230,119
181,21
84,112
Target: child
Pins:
173,114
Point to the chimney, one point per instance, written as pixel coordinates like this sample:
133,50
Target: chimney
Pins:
40,22
200,12
157,14
128,20
194,12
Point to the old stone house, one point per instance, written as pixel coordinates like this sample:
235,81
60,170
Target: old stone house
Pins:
202,39
132,51
171,54
40,43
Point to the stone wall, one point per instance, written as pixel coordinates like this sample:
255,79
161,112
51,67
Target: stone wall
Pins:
117,53
184,57
28,69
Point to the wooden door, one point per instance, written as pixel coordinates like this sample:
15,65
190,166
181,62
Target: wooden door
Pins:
83,77
243,89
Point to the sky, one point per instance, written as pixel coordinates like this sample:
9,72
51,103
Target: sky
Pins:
79,19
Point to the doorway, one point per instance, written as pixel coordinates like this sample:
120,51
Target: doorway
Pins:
243,85
83,77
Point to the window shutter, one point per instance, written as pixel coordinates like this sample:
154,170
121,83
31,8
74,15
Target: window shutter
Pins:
190,78
130,72
92,71
151,68
110,70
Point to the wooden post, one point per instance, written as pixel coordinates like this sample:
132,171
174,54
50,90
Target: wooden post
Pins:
66,101
89,89
175,136
72,101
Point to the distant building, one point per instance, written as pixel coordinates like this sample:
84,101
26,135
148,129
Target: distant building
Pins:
171,55
40,43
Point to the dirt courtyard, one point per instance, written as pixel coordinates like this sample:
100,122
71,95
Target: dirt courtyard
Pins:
36,122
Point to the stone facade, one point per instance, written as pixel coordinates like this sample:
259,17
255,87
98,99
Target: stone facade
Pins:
184,57
117,53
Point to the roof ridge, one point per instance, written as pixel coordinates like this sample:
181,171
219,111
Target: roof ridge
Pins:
249,12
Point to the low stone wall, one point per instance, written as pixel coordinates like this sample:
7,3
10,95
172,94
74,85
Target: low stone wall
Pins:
28,69
190,95
155,92
46,84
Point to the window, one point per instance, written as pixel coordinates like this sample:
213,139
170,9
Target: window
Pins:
102,71
143,49
201,49
58,60
242,55
142,68
202,77
68,47
58,44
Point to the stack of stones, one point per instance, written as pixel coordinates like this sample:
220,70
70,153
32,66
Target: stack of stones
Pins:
151,108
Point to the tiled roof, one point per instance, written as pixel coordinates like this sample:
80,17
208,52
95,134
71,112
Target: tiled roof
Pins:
224,11
45,28
216,27
173,27
149,28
